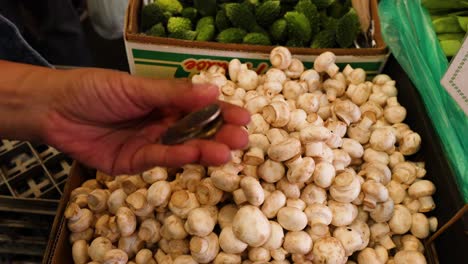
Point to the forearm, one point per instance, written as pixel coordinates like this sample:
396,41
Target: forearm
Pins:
24,100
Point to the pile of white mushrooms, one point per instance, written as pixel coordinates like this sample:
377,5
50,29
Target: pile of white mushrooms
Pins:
324,180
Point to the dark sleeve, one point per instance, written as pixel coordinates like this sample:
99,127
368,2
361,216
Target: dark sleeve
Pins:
51,27
13,47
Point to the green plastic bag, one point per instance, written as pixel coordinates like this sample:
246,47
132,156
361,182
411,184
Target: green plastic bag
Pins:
407,30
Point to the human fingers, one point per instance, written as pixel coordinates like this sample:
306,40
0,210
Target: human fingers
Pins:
233,136
234,114
180,93
212,153
153,155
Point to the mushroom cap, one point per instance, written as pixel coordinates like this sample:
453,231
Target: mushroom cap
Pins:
368,256
350,239
420,226
223,258
277,113
251,226
229,243
326,62
295,69
343,213
364,232
284,150
184,259
276,238
328,250
280,57
303,171
292,219
98,248
80,252
383,212
234,68
409,256
297,242
115,256
314,133
346,111
421,188
200,222
400,222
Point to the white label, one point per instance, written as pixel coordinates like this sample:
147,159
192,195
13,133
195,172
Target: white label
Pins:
455,79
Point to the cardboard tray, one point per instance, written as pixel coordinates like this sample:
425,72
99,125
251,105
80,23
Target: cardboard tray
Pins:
167,57
448,248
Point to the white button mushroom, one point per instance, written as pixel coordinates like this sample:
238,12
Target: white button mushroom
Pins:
401,221
354,76
259,254
78,219
325,62
312,78
80,252
312,194
343,213
226,215
383,212
226,177
324,174
346,111
300,169
346,186
297,242
280,57
207,193
273,203
358,93
115,256
173,228
271,171
328,250
229,243
292,219
204,249
223,258
276,238
350,239
295,69
149,231
98,248
251,191
200,222
422,190
380,232
251,226
276,113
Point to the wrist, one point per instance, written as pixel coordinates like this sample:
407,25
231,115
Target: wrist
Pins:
25,97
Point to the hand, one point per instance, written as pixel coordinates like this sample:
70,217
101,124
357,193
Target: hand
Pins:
113,121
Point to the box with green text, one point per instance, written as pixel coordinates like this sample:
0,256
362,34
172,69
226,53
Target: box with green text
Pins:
159,57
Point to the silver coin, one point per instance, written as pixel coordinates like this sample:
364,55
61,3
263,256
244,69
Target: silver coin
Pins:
198,119
211,129
194,125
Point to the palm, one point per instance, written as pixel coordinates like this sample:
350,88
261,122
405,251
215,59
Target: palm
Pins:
106,124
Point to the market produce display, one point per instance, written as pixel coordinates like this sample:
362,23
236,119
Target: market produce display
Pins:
325,179
293,23
450,21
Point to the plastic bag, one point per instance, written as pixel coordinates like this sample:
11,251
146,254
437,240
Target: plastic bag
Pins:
407,30
107,17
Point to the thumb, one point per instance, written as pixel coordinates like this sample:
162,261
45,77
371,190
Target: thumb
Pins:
180,93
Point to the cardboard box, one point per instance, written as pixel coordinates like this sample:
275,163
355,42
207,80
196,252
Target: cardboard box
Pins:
158,57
